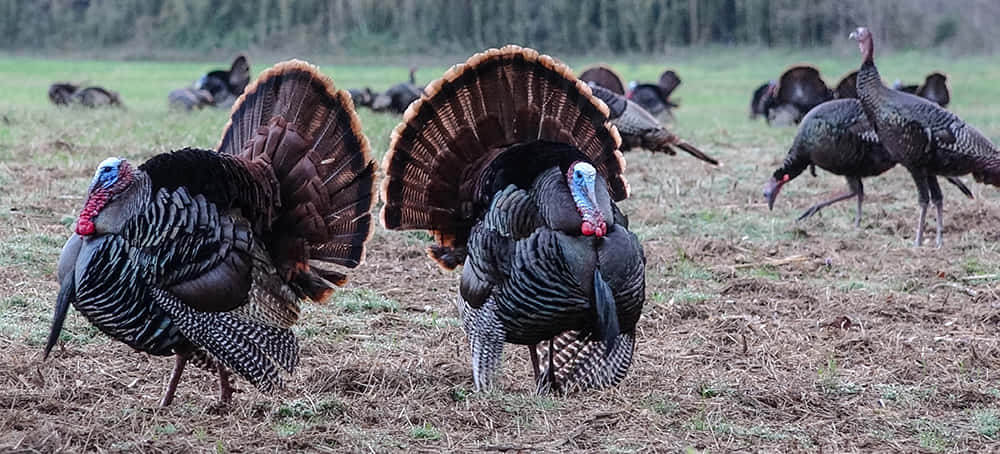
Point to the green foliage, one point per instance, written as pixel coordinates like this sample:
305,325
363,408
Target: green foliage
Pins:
365,27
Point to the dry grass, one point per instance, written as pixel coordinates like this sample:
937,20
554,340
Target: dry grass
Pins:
758,334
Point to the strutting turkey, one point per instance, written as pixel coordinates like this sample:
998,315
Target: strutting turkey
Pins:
64,94
639,128
206,255
837,137
604,76
923,137
935,89
655,98
513,167
398,97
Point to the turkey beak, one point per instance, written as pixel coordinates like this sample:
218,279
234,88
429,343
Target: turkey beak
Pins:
771,192
854,35
62,307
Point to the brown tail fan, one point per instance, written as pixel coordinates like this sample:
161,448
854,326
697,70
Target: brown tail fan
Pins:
465,121
604,76
239,73
293,118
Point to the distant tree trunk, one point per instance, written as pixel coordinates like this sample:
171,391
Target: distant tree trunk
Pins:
693,21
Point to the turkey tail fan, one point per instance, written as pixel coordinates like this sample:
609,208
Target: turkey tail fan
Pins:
239,73
604,76
669,81
466,120
293,118
573,361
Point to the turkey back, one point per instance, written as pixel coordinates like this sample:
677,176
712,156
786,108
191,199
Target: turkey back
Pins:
294,119
455,139
604,76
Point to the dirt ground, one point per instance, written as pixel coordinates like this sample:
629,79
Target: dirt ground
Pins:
759,334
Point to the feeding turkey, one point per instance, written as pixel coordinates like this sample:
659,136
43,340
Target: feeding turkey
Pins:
923,137
639,129
655,98
837,137
206,254
518,183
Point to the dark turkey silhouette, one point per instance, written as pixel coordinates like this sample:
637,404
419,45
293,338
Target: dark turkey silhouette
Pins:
225,86
847,87
206,255
935,89
398,97
190,98
520,185
64,94
761,99
604,76
655,98
639,128
923,137
61,93
911,89
800,87
362,97
837,137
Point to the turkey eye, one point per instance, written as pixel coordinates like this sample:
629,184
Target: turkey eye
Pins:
578,174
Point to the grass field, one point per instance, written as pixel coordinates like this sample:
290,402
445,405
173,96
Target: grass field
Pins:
759,334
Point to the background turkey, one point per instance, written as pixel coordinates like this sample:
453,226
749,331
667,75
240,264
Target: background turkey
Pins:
362,97
922,136
61,93
206,255
761,98
225,86
847,87
519,184
655,98
837,137
398,97
639,128
604,76
800,87
935,89
898,85
190,98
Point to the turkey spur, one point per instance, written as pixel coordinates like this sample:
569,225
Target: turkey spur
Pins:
206,255
511,163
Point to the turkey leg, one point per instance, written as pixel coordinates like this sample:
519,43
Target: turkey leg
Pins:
856,190
533,350
923,197
175,377
938,200
225,387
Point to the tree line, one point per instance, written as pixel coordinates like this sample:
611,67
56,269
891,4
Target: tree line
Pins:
434,27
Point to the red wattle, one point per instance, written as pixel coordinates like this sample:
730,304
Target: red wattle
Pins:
84,227
587,228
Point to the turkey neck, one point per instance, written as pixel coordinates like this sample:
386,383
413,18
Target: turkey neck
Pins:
869,88
795,162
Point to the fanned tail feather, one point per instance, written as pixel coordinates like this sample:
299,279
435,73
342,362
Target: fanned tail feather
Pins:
293,118
693,151
464,121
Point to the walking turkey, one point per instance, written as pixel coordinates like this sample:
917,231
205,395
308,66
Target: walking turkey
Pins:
604,76
206,255
923,137
836,137
61,93
398,97
655,98
639,128
518,181
226,86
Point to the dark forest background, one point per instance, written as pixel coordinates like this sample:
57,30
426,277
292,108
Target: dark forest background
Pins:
440,27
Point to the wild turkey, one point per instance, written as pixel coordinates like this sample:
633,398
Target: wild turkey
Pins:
226,86
638,128
907,88
206,255
761,99
398,97
935,89
190,98
61,93
604,76
655,98
847,88
518,181
923,137
800,87
837,137
362,97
